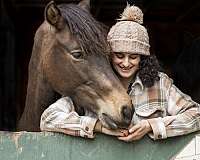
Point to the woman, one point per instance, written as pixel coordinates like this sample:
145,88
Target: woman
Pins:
161,109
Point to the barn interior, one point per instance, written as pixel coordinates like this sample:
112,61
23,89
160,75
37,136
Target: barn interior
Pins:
173,27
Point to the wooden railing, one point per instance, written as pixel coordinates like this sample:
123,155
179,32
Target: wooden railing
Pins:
54,146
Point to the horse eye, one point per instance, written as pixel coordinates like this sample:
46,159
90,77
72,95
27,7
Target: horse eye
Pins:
77,54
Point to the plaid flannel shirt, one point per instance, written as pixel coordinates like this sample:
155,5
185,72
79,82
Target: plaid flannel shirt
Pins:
61,117
169,112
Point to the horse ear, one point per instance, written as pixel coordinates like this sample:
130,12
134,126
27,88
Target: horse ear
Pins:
85,4
53,15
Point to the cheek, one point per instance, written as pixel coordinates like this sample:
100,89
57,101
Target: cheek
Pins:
137,67
135,62
116,61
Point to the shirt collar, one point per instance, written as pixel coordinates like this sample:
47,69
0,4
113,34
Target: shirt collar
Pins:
137,83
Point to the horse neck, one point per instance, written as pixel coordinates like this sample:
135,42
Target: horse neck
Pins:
39,96
39,92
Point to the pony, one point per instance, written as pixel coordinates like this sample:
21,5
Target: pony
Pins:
70,58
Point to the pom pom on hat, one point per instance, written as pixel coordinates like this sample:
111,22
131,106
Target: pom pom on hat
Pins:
128,34
132,13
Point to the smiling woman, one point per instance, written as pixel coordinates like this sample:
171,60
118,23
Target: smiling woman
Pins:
125,64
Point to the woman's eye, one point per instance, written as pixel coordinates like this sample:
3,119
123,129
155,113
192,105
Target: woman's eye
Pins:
77,54
119,55
133,57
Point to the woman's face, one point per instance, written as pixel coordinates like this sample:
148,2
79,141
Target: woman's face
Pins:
125,64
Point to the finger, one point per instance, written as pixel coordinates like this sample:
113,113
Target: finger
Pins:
138,134
140,130
112,132
134,128
125,132
130,126
128,138
137,138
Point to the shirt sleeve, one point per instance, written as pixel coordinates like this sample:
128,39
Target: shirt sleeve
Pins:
183,115
61,117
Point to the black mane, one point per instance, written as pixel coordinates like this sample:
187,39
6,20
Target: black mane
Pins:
90,34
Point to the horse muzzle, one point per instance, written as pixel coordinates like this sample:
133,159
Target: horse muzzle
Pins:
109,121
127,114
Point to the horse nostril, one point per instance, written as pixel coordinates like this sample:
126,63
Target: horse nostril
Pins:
127,114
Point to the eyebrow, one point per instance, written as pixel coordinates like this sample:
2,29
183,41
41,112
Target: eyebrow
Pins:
133,55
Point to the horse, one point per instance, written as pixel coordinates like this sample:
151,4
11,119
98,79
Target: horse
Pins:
186,69
70,58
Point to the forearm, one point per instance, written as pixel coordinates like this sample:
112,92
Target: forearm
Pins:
61,117
176,125
182,115
82,126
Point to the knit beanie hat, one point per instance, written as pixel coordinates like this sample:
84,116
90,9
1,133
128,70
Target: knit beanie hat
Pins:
128,35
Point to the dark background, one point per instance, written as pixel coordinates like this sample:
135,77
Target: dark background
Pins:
172,25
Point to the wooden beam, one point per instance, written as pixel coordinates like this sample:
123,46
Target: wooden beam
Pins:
51,146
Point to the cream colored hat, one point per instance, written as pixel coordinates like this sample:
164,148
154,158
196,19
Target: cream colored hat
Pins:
128,35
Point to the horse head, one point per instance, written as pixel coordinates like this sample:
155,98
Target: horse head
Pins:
70,57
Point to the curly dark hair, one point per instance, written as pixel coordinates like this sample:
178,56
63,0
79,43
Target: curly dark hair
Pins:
148,70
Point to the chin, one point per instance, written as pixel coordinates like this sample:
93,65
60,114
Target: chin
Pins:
125,75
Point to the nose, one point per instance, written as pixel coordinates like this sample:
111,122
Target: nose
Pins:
127,114
125,62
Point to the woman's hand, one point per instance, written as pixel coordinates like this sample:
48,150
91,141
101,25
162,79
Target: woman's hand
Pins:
137,131
118,132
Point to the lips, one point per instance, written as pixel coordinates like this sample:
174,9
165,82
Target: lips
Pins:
125,69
